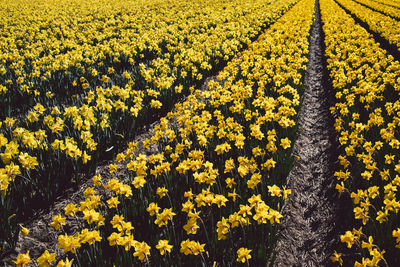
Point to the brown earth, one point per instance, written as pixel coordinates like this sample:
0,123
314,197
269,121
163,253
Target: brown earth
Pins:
309,229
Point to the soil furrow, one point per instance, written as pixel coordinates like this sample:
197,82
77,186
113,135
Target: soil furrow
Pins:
309,228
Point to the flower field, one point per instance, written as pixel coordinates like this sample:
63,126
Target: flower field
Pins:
220,84
87,106
366,81
386,24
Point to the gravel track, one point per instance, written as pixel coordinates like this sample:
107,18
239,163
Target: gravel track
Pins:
309,229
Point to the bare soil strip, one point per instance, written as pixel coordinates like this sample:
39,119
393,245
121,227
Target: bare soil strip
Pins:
309,229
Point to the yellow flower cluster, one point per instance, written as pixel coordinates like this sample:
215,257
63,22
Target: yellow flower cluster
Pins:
392,3
387,9
219,173
89,73
366,81
84,43
89,47
387,27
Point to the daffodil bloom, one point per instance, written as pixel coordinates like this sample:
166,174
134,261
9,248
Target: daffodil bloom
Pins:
337,257
67,263
153,209
24,231
142,250
347,238
191,247
274,190
22,259
285,143
69,243
163,217
57,222
113,202
243,255
161,191
70,209
191,226
164,247
46,259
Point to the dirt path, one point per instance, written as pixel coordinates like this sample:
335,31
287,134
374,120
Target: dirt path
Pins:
309,229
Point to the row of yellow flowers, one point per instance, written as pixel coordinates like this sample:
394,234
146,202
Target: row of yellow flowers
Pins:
367,83
385,26
388,10
392,3
120,63
212,192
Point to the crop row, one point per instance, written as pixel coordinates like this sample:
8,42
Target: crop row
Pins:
383,25
366,81
392,3
51,146
212,192
388,10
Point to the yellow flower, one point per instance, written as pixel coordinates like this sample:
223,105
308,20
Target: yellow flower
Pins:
57,222
191,226
340,187
89,237
67,263
187,206
86,157
112,168
70,209
230,182
68,243
114,238
191,247
286,192
221,149
92,216
164,217
285,143
396,233
142,250
220,200
96,180
46,259
274,216
163,246
153,208
243,255
222,228
9,122
161,191
24,231
229,165
116,222
275,191
113,202
348,238
382,216
269,164
22,259
337,257
368,245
